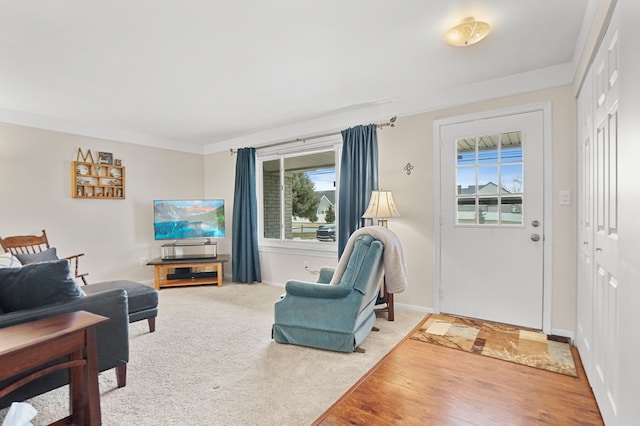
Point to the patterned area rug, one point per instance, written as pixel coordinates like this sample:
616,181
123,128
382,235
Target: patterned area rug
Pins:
520,345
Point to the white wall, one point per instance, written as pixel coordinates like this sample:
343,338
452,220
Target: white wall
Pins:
35,194
219,182
411,142
629,206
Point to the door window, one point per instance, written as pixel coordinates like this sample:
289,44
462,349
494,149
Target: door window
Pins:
489,179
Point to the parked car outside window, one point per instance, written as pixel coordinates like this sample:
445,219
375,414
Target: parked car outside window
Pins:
326,232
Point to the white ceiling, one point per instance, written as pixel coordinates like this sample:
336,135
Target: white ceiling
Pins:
208,75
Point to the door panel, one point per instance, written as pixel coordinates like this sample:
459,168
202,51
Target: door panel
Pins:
605,338
586,207
597,316
491,221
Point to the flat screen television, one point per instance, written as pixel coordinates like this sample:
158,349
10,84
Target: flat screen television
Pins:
188,219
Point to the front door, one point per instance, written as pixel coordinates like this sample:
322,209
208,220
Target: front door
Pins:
491,219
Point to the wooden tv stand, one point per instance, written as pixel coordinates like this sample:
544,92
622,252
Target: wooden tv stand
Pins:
203,271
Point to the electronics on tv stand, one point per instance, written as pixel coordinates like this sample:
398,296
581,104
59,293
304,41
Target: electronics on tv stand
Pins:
187,273
190,250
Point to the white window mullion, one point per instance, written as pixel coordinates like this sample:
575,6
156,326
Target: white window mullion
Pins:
282,201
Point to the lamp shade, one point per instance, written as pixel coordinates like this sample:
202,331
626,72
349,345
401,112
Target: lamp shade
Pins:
381,206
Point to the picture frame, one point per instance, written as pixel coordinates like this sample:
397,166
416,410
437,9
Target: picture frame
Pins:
105,158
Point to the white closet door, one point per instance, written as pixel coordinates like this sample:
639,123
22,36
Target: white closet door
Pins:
597,287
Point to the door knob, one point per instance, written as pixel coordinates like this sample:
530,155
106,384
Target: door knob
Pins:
535,223
535,237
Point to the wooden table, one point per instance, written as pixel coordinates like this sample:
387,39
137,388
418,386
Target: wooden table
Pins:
201,271
30,345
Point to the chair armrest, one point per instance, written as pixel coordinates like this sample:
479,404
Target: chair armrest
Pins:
74,256
322,291
75,259
326,273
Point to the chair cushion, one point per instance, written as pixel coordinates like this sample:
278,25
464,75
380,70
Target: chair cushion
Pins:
7,260
358,260
37,285
43,256
140,296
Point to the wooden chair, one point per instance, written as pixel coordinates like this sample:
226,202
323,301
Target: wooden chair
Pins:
29,244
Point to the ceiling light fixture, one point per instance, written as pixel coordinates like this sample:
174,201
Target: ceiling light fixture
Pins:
468,32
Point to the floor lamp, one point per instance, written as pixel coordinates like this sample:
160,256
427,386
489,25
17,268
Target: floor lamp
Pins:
382,207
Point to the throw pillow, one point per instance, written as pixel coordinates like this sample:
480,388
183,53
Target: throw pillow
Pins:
7,260
37,285
43,256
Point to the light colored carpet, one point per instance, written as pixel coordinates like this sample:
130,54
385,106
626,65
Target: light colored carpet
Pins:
211,361
520,345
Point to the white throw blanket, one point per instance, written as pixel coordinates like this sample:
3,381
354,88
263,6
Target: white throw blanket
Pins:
395,270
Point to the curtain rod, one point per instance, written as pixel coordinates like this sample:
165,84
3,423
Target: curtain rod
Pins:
390,123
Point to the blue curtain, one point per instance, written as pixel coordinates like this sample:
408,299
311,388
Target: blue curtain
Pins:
246,262
358,177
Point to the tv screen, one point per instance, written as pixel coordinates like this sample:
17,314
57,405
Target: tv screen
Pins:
186,219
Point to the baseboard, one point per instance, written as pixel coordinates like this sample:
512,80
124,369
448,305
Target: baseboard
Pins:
414,308
563,333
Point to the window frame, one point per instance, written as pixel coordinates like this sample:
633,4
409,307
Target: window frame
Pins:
283,245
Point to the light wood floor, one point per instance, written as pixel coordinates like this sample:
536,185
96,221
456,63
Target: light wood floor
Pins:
420,383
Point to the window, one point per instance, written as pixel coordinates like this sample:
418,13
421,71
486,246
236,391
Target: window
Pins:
298,194
489,179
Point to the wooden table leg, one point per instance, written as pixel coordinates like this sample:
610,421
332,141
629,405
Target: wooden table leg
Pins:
83,384
156,275
93,391
77,394
390,310
388,298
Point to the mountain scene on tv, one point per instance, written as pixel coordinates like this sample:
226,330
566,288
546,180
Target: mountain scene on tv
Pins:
186,219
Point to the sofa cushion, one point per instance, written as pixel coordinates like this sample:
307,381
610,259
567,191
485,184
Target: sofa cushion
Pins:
43,256
141,297
36,285
7,260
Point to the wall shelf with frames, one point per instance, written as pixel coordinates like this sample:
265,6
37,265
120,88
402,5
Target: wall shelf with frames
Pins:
97,180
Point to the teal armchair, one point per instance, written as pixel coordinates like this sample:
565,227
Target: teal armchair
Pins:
337,316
